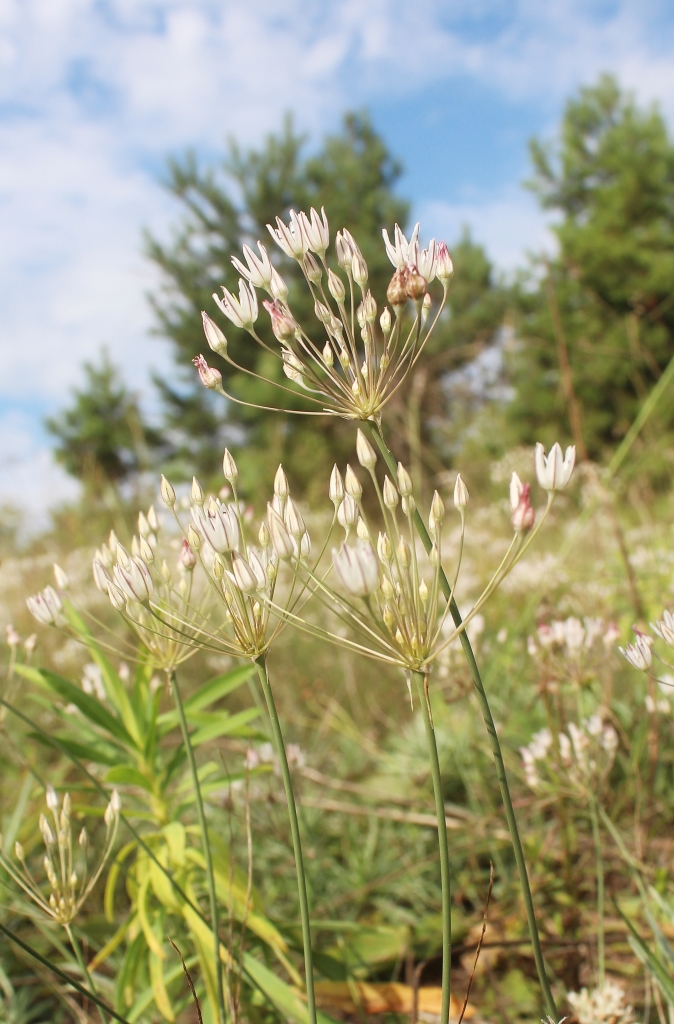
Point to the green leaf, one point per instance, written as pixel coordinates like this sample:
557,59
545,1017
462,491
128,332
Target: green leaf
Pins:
126,775
224,724
100,754
206,695
89,706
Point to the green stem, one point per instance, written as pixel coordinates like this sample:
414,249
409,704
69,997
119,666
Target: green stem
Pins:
261,667
206,845
420,527
422,688
89,981
601,956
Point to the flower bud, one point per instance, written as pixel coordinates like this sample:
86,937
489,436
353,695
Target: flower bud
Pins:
460,493
369,307
196,492
145,551
347,514
408,505
51,798
365,452
359,269
280,538
322,312
217,342
263,536
209,377
19,851
281,489
389,494
328,357
423,592
168,495
277,286
362,530
396,293
437,507
404,553
117,599
152,519
523,514
385,552
218,567
385,322
229,467
425,308
352,484
336,287
312,268
188,559
415,285
193,538
243,574
444,268
83,839
62,581
404,481
293,520
336,489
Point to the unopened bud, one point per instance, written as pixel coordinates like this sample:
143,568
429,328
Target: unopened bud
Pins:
460,494
387,589
188,559
193,538
359,269
218,568
19,851
281,489
408,505
352,484
385,322
328,357
390,494
168,495
336,489
312,268
229,467
423,592
347,514
83,839
51,797
404,481
263,536
396,293
217,342
196,492
62,581
404,554
145,551
369,307
444,268
434,556
362,530
365,452
523,514
336,287
385,551
152,519
415,285
437,507
425,308
322,312
389,618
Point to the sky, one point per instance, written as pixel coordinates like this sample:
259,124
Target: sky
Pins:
96,94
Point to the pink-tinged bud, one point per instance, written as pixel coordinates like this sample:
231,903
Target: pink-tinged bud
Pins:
282,324
444,268
209,377
639,653
396,293
217,342
188,559
523,514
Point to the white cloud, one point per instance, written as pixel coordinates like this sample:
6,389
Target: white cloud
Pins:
93,95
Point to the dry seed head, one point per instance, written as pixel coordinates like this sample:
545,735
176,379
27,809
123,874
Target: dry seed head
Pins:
415,285
352,484
396,293
404,481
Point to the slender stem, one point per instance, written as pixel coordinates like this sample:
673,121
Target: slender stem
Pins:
422,688
601,956
88,980
420,527
206,845
261,667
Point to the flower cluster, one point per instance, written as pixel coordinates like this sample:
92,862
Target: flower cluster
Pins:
568,649
579,758
68,889
604,1005
390,591
366,354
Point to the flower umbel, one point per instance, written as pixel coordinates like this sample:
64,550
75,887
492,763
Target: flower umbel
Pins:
363,359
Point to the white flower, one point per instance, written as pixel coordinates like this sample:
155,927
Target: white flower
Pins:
242,312
399,253
259,269
133,579
665,628
601,1006
639,653
554,470
574,634
46,607
357,568
316,230
290,238
218,524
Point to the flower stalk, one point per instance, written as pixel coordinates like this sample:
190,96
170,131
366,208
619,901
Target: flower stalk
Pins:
490,726
421,681
210,876
279,745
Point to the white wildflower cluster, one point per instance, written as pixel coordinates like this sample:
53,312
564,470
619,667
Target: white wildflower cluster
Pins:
70,882
573,641
579,758
366,352
641,652
604,1005
231,609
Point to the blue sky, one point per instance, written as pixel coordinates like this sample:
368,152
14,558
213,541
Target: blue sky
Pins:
94,94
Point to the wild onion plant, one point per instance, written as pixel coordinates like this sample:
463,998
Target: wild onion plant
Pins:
363,361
